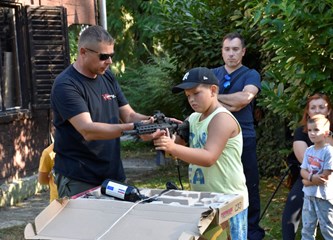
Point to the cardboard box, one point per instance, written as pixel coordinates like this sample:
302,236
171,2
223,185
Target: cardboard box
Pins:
176,214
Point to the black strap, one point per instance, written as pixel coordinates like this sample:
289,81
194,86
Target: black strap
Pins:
233,80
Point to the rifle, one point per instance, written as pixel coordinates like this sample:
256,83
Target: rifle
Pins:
160,122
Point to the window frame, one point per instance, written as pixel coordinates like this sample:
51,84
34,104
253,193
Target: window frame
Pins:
35,90
7,115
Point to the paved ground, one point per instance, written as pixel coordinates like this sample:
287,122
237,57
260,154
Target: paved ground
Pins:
27,210
24,212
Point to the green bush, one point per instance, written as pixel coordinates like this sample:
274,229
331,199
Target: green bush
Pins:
288,41
298,37
296,51
149,88
131,24
192,31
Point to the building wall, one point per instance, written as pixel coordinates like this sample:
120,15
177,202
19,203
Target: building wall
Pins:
24,136
22,140
78,11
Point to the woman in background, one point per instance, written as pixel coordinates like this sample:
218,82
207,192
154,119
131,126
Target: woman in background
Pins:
316,104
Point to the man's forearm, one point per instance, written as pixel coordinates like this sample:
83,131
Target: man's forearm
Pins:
136,117
128,115
228,107
234,101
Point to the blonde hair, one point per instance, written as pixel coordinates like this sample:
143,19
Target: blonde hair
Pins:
322,120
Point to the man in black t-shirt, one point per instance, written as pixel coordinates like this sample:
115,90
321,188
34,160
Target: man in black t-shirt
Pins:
88,106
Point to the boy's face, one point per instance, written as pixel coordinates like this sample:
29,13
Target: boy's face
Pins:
317,132
200,97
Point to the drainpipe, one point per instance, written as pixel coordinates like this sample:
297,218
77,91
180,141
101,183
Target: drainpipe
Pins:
102,13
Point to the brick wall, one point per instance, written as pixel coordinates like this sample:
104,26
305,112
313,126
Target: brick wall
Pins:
22,138
78,11
22,141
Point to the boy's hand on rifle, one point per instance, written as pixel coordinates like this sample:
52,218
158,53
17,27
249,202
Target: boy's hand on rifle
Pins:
166,140
159,133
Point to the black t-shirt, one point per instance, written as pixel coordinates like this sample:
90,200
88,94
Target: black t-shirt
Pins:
299,135
76,158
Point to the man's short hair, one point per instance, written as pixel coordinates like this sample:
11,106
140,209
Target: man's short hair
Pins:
234,35
94,35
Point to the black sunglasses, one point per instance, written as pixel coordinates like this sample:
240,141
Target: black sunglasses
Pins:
227,80
102,56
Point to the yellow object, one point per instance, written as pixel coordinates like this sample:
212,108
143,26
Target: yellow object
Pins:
46,164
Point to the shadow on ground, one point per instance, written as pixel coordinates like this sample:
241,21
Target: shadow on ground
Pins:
27,210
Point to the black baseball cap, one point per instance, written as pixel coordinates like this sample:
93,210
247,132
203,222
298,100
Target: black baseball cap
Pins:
194,77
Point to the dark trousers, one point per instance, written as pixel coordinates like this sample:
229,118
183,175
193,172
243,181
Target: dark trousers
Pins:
250,165
292,212
69,187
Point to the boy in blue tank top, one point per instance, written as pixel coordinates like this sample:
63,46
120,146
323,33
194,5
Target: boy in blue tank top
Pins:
215,144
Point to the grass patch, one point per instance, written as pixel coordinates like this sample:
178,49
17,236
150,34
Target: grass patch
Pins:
137,149
271,220
162,175
13,233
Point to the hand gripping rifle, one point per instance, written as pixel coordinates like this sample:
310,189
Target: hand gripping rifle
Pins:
160,122
163,123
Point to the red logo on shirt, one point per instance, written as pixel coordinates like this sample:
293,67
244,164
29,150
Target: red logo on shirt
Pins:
315,164
107,96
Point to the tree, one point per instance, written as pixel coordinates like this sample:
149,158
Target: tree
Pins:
288,41
131,24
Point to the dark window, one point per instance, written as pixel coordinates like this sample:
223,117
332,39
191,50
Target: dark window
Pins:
34,50
10,81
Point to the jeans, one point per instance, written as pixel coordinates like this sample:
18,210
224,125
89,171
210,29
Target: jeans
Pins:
314,210
238,226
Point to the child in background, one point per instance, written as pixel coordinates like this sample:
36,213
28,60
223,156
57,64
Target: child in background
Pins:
45,175
215,144
316,171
